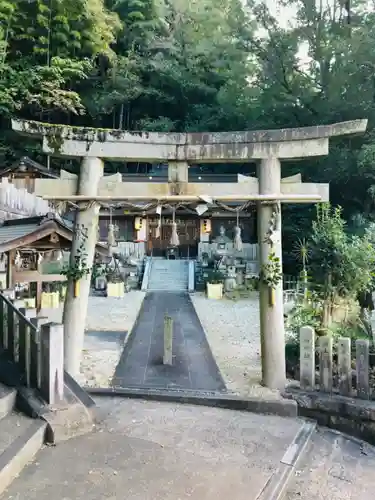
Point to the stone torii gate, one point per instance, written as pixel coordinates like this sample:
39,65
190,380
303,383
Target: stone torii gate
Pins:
267,148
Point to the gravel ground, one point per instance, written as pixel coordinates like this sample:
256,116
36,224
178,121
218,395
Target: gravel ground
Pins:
105,314
233,332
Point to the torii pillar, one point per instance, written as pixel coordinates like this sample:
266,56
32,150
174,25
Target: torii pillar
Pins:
271,315
83,245
267,148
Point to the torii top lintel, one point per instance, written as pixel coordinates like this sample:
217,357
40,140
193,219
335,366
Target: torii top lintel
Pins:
197,147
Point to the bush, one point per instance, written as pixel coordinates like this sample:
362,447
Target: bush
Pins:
340,264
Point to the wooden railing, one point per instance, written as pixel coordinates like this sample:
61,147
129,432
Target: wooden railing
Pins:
36,347
334,372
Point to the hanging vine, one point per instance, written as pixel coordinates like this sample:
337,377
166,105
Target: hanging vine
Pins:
80,268
271,273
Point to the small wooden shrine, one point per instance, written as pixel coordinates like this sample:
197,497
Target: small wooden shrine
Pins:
33,251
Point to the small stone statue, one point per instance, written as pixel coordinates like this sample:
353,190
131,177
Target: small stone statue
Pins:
230,281
222,243
222,238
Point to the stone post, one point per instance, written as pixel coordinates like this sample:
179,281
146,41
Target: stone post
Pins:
344,362
362,348
36,349
75,308
52,347
271,316
168,341
307,357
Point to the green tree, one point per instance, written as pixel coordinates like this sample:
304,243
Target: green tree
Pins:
341,265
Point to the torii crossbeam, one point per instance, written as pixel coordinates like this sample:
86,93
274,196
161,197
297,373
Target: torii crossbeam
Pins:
267,148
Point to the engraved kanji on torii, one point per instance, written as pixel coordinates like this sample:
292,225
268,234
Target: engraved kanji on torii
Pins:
266,148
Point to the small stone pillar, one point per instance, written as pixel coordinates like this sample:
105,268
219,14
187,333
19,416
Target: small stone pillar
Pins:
35,347
52,349
168,341
271,316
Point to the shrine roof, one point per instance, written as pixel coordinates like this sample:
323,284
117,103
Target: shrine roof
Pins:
17,233
26,164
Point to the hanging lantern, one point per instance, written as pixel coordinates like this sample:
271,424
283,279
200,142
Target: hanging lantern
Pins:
206,223
138,223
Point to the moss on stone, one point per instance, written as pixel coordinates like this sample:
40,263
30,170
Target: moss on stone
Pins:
56,134
55,141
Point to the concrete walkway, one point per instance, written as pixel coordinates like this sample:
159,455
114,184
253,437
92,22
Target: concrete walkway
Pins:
336,467
141,363
160,451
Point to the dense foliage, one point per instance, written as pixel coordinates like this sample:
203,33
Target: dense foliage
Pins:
197,65
340,264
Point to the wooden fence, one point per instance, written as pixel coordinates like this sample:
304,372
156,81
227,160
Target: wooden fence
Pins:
334,365
36,346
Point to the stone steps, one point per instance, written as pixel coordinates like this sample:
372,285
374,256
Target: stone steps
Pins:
21,438
169,275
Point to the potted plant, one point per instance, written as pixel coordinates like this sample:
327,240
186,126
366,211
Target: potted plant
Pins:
214,285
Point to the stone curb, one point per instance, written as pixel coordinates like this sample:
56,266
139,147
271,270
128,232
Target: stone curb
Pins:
352,416
80,393
279,481
282,407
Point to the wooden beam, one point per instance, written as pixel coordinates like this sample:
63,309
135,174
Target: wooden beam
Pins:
36,277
